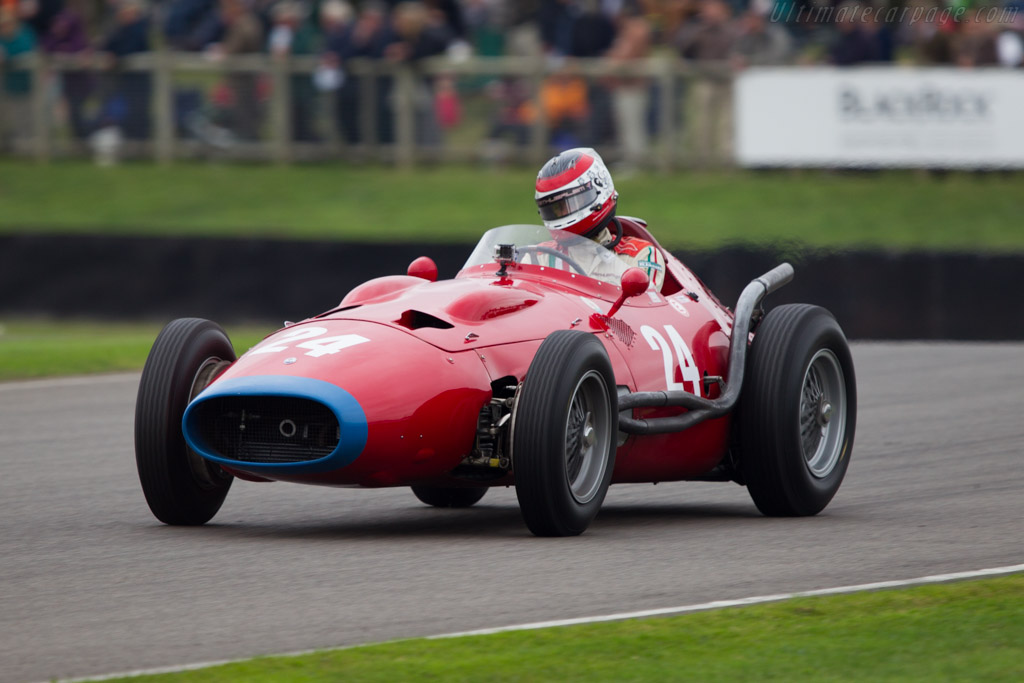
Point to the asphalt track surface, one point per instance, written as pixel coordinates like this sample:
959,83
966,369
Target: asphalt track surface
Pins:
91,583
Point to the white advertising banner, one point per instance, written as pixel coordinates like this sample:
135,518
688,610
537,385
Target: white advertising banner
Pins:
880,116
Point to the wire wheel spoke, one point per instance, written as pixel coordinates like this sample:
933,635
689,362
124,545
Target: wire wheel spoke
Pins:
822,413
587,437
574,447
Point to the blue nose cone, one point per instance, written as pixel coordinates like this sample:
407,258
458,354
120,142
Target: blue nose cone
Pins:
275,424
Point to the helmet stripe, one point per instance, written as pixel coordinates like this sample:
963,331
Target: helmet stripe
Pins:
583,162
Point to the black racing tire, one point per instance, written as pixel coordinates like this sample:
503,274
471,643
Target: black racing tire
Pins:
564,434
449,497
798,411
181,487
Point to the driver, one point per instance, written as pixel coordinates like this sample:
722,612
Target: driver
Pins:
575,193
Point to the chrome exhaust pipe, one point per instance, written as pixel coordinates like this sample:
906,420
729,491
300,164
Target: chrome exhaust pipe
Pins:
699,408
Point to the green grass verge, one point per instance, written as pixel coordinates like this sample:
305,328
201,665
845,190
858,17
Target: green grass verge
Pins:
30,349
888,209
971,631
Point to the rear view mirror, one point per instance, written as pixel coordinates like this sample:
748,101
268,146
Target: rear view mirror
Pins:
634,283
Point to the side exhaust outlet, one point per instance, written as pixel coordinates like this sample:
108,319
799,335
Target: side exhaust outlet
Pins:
699,408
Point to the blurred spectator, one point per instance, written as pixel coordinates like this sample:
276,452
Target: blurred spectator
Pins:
711,38
337,20
39,14
192,24
975,44
336,24
447,107
16,38
420,34
592,31
450,14
369,37
67,37
564,100
630,95
523,35
364,37
126,94
484,23
243,34
516,112
881,34
932,38
592,35
1010,48
853,44
291,34
555,18
760,42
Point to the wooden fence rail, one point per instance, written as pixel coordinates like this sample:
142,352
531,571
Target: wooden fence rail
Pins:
678,126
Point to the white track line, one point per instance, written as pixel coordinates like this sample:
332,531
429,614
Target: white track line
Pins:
74,381
663,611
757,600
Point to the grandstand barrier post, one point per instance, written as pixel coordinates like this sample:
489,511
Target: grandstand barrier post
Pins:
40,115
369,112
163,108
726,151
539,127
405,117
280,109
690,120
3,119
666,114
366,108
333,138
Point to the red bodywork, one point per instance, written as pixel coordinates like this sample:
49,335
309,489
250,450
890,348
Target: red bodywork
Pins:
431,350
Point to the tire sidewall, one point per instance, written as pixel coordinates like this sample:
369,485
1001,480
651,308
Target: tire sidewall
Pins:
822,332
175,493
545,471
771,458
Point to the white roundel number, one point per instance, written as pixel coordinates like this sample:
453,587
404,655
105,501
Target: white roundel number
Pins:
676,352
309,338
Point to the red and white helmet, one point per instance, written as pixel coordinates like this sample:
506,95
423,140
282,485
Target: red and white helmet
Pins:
575,192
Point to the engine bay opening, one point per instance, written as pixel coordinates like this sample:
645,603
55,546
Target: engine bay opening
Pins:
490,458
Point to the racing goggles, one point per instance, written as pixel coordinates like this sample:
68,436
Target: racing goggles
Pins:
567,202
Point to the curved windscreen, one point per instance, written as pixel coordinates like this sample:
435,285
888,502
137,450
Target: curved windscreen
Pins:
538,246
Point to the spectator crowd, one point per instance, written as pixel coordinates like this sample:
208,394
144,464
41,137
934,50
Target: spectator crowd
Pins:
736,33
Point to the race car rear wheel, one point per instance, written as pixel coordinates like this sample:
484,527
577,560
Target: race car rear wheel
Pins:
181,487
449,497
798,411
563,434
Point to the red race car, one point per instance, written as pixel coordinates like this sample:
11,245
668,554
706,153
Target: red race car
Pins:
545,364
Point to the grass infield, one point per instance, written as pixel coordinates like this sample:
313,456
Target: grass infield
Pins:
961,631
891,209
30,349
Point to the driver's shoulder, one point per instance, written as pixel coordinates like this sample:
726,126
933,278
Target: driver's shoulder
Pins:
634,246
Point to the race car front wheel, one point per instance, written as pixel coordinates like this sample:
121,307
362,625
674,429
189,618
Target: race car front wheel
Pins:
449,497
563,434
181,487
798,411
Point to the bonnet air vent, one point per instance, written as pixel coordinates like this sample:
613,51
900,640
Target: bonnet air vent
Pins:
414,320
